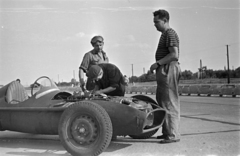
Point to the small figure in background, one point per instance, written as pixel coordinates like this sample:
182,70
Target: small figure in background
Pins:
126,80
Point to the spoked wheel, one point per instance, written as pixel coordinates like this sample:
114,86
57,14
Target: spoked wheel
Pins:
85,128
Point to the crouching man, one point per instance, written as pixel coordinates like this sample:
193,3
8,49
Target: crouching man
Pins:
108,79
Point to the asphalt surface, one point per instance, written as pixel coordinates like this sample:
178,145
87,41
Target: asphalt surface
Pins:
210,126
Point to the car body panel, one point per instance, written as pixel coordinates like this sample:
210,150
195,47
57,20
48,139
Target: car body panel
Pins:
41,114
35,121
122,115
40,120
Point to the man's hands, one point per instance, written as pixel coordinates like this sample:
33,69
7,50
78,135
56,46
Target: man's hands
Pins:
87,93
172,56
97,92
83,94
81,79
153,67
82,86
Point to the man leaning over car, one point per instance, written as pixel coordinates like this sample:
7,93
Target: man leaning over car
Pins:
108,79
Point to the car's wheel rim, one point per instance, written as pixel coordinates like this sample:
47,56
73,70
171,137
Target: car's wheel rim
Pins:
83,130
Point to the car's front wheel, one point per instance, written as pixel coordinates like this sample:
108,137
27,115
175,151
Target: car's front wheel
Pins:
85,128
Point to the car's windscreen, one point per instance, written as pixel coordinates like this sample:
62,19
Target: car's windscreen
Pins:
43,85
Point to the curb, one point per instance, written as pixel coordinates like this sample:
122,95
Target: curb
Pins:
226,90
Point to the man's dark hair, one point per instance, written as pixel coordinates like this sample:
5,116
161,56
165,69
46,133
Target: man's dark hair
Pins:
162,14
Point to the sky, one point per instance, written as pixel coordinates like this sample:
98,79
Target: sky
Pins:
50,37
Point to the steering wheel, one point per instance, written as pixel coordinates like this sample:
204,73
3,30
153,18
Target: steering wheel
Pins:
32,87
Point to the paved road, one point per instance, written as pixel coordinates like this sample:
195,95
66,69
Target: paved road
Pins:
210,126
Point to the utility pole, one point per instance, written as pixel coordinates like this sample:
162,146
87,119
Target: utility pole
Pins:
74,77
132,73
228,66
143,70
200,69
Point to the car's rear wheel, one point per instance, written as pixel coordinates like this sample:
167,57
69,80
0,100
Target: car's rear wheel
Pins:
154,104
85,128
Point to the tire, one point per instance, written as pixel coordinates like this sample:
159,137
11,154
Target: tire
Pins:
147,134
85,128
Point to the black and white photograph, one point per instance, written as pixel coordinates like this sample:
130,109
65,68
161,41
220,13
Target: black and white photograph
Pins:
119,77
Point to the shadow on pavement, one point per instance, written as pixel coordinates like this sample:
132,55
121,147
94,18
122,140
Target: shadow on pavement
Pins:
32,147
211,120
46,153
40,145
129,140
236,130
114,146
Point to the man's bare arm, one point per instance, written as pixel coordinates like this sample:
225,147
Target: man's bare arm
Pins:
172,56
81,79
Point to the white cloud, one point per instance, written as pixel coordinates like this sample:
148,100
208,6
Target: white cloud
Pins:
124,8
80,34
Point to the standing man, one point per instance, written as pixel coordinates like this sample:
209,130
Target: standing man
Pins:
93,57
167,75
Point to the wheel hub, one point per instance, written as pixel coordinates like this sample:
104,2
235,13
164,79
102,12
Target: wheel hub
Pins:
84,130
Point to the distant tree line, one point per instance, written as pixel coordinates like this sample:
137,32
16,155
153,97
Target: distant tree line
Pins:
188,75
73,82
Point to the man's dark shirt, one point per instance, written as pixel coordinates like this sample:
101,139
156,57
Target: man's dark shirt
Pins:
112,77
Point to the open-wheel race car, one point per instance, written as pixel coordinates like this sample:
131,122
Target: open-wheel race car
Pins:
85,124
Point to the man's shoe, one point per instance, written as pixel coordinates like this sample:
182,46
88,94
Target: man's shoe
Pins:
162,137
166,141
